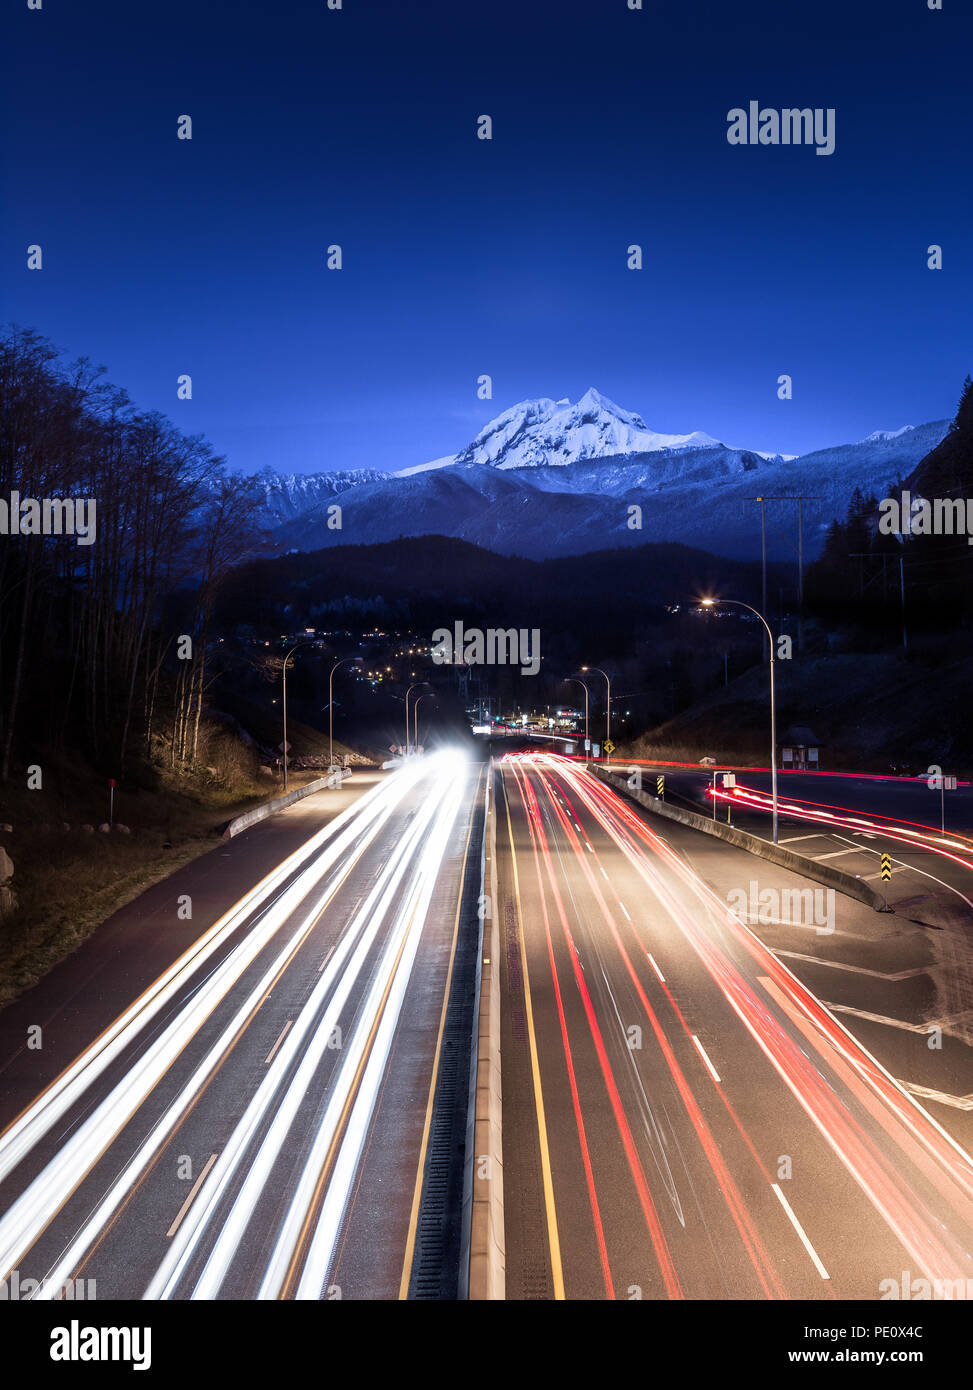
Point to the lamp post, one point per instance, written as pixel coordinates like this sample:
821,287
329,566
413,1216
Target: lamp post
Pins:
356,660
710,603
284,698
587,738
429,695
407,694
608,705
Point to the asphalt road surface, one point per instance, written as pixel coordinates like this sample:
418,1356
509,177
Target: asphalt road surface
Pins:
682,1116
848,822
254,1122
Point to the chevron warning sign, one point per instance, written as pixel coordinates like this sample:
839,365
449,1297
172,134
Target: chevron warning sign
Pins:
660,785
886,868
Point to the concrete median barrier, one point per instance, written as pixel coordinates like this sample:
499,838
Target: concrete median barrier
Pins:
487,1259
776,854
280,803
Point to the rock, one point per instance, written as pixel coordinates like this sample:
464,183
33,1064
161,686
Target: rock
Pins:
104,828
122,829
87,829
6,866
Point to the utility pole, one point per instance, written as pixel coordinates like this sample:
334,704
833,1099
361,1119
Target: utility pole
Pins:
800,574
763,556
800,500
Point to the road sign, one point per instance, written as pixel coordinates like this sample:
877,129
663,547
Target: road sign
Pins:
283,748
886,868
729,780
942,785
609,747
660,785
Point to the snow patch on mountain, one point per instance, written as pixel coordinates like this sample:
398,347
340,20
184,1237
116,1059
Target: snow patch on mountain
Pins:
287,495
425,467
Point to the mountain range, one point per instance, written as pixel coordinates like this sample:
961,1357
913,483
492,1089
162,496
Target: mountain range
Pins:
550,478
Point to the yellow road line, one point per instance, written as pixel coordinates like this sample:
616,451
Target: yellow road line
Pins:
410,1244
552,1235
351,1096
273,1051
350,1099
192,1193
230,1048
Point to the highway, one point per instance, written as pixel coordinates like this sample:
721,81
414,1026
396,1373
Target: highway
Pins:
850,821
255,1122
682,1116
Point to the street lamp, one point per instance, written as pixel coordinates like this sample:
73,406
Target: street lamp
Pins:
356,660
429,695
407,694
587,739
710,603
284,692
608,705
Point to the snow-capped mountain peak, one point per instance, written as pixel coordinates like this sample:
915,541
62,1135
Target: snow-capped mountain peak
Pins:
879,436
545,433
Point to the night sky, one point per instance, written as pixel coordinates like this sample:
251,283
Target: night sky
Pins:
463,256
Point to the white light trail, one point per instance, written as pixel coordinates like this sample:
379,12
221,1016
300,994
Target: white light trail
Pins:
308,1039
38,1118
27,1217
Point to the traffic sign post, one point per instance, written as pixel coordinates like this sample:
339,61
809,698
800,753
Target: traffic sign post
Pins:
609,748
660,786
946,784
111,801
729,780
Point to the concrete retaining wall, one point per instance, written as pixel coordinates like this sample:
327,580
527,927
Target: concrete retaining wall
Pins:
776,854
280,803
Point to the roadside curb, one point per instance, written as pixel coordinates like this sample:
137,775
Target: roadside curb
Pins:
784,858
280,803
487,1269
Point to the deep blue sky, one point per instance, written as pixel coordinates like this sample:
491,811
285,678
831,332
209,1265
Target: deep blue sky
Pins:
463,257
